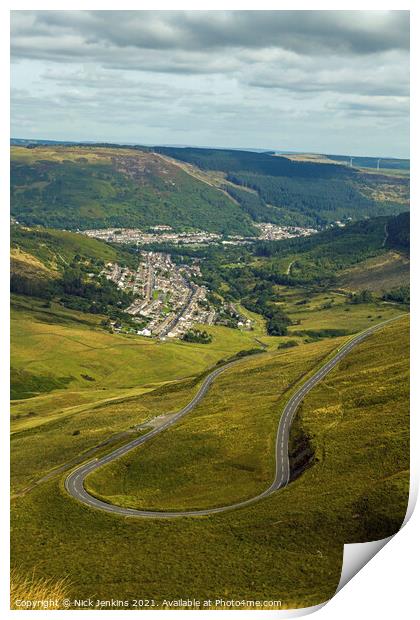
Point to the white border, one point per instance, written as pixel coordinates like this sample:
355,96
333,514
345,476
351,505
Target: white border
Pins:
386,587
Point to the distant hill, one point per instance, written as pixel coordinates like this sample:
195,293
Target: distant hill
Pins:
298,192
388,163
258,163
101,185
98,187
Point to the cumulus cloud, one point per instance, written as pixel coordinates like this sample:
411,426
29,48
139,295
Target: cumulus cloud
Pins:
238,78
357,32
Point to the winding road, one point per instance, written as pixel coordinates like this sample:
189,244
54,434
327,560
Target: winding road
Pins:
74,482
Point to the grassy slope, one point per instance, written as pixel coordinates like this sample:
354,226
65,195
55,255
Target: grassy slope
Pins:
364,407
52,348
341,315
293,541
87,187
55,249
55,443
330,310
382,273
224,449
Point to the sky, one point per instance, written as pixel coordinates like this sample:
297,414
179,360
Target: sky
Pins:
333,82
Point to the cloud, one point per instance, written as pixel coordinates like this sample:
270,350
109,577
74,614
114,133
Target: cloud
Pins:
385,73
357,32
378,107
254,78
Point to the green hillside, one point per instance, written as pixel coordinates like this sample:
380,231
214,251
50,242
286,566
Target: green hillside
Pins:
224,448
57,248
55,348
297,192
355,490
66,268
77,187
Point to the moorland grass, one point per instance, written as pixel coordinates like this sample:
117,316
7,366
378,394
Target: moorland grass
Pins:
53,347
224,448
379,274
286,547
65,437
40,592
331,311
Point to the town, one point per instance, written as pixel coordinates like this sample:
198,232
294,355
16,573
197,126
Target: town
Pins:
273,232
166,297
165,234
157,234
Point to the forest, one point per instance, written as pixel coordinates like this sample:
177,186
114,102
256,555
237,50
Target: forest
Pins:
81,187
298,193
259,163
398,229
314,202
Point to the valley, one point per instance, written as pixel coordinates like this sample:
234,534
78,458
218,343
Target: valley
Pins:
188,305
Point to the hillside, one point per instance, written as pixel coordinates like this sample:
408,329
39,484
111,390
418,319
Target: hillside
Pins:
357,486
53,250
67,268
382,273
78,187
252,274
389,271
81,187
299,192
62,358
387,163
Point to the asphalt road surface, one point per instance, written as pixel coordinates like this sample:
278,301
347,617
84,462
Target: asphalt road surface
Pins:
74,481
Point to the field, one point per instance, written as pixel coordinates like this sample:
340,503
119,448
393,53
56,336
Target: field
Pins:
72,351
75,385
356,489
314,311
379,274
225,448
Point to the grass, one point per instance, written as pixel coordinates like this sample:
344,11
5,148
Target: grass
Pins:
45,593
286,547
379,274
55,442
53,250
53,347
54,351
330,310
224,448
362,405
26,264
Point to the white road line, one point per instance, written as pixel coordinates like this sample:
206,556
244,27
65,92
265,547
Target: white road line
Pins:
74,481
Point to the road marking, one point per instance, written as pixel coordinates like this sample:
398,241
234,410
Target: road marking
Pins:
74,481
